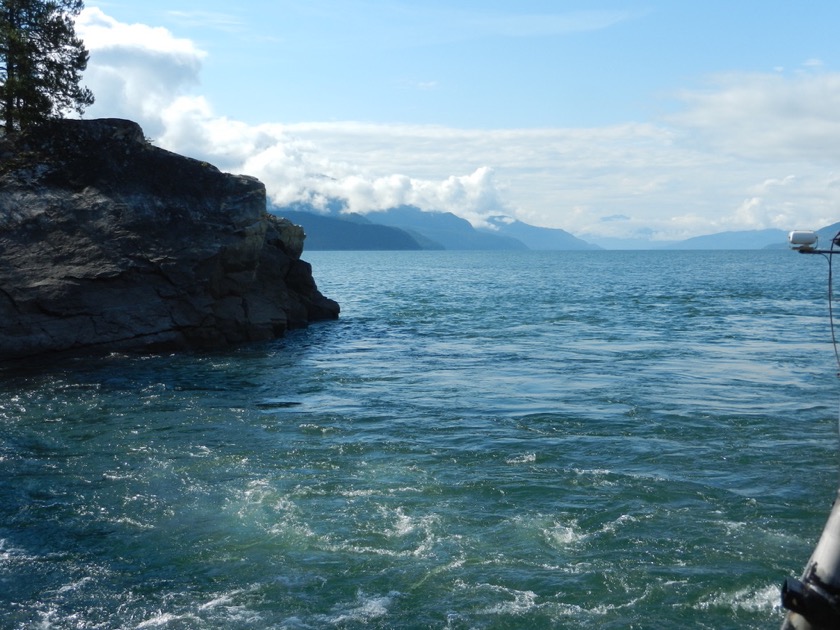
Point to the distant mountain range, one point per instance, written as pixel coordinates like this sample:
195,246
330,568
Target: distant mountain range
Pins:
537,237
442,229
826,234
748,239
350,232
753,239
409,228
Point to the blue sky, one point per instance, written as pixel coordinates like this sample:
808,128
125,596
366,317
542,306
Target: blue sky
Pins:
650,120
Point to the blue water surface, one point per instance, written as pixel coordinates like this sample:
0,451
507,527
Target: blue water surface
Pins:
482,440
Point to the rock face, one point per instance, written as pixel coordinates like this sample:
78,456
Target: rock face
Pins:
109,243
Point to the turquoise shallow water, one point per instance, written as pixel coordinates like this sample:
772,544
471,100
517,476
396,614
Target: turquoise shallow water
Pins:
483,440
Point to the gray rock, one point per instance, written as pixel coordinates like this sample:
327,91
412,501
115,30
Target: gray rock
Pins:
109,243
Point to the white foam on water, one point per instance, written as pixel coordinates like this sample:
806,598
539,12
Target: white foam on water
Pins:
124,520
46,620
596,472
117,476
374,551
576,568
290,525
352,494
610,528
200,450
315,429
74,586
5,552
225,599
733,527
603,476
364,609
521,602
404,524
229,608
565,534
162,619
562,534
14,554
292,531
220,611
370,492
410,536
257,495
528,458
759,599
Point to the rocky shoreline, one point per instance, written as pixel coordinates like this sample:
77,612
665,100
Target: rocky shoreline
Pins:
108,243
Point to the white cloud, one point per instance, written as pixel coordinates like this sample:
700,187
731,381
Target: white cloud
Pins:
136,71
145,73
767,116
748,151
102,32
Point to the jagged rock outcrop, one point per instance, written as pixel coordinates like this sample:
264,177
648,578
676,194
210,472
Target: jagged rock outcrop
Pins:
110,243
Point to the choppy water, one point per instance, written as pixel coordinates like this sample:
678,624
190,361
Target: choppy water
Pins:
483,440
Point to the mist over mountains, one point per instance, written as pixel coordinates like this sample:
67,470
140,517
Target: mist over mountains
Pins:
749,239
410,228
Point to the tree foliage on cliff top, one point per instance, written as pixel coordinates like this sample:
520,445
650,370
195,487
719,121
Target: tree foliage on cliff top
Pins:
41,62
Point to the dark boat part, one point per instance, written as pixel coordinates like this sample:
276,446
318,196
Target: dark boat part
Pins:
813,601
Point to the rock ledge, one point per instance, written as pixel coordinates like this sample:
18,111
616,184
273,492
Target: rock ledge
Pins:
109,243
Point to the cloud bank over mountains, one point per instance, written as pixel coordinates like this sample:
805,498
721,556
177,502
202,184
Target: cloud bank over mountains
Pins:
744,151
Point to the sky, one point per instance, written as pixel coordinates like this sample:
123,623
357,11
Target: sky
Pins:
619,121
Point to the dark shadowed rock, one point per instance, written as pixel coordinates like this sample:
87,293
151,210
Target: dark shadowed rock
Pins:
107,242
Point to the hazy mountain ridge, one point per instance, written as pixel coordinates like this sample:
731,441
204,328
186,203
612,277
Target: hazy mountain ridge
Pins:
752,239
410,228
537,237
445,228
745,239
325,232
826,234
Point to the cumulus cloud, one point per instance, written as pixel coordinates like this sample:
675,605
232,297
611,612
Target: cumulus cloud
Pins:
136,71
146,74
747,151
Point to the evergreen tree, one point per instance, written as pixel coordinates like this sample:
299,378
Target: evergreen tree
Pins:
41,62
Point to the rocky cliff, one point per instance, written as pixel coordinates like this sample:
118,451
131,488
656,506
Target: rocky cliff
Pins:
110,243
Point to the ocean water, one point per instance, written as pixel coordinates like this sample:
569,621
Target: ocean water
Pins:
482,440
